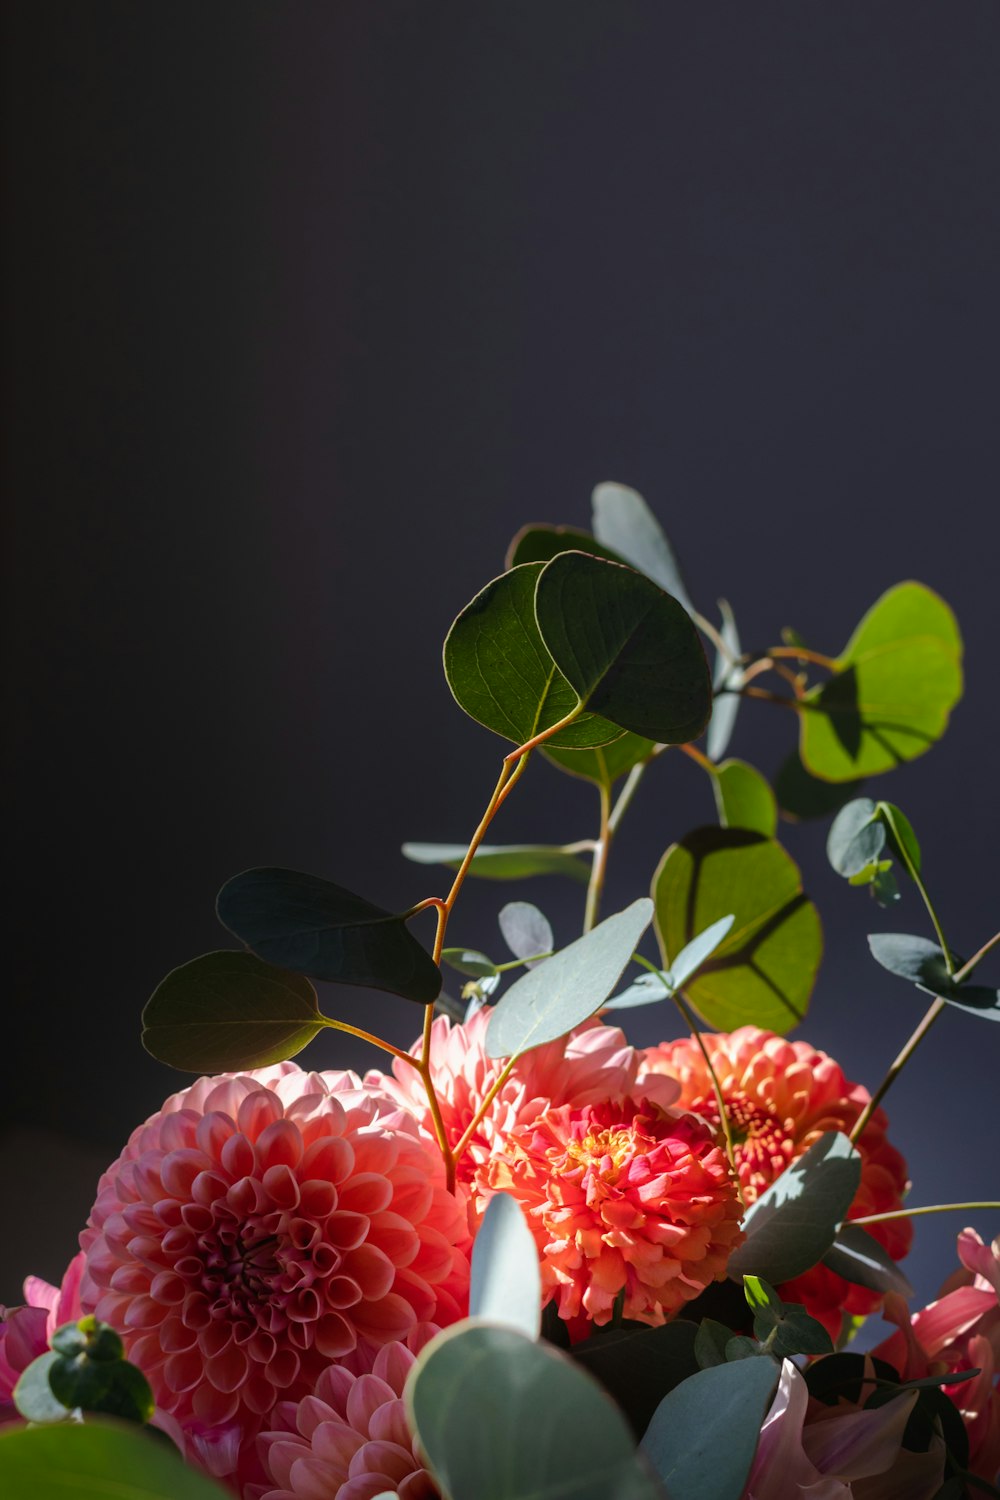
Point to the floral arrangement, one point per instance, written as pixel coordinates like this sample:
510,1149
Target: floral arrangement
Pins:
525,1258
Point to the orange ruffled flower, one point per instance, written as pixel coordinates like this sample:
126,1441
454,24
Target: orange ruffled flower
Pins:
780,1097
623,1198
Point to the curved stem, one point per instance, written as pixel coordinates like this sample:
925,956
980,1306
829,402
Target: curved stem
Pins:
700,758
763,695
896,1067
481,1112
720,1102
802,653
976,959
599,863
376,1041
930,1208
707,628
627,793
546,734
427,904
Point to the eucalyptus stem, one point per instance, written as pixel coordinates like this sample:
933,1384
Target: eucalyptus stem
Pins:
376,1041
929,1208
626,794
546,734
707,628
886,810
802,653
599,864
976,959
896,1067
481,1112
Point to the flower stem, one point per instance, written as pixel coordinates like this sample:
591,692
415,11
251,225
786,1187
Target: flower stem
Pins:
896,1067
546,734
627,793
487,1100
929,1208
599,863
376,1041
976,959
802,653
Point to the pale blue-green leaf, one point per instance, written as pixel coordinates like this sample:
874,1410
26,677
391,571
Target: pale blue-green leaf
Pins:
856,837
923,964
727,679
793,1223
470,962
624,522
502,1417
568,988
647,990
33,1394
691,957
506,1284
858,1257
503,861
703,1435
525,931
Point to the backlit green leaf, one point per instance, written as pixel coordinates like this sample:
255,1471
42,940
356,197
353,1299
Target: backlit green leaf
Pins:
628,649
744,798
228,1011
97,1461
311,926
763,973
793,1223
859,1258
503,861
564,990
898,679
605,763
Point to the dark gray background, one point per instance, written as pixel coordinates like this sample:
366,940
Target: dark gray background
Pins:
309,306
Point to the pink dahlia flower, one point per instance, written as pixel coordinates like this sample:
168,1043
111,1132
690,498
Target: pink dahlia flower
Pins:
25,1331
592,1064
260,1226
349,1439
780,1097
841,1452
959,1332
624,1200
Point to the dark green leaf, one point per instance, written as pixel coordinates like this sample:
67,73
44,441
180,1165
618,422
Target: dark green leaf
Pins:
710,1344
902,839
503,1418
563,991
33,1395
624,522
763,973
227,1011
115,1389
898,679
311,926
703,1435
744,799
469,962
638,1365
525,930
539,543
727,679
923,964
95,1461
793,1223
859,1258
502,674
506,1285
606,763
503,861
629,650
803,796
786,1328
742,1347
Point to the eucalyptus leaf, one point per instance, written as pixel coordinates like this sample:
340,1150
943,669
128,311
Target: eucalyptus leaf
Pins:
858,1257
856,838
793,1223
605,764
691,957
33,1394
94,1461
786,1328
469,961
703,1435
763,972
710,1344
646,990
501,1417
638,1365
727,679
923,964
744,799
567,988
802,796
501,672
506,1284
227,1011
897,680
311,926
628,649
538,542
526,931
624,522
902,839
503,861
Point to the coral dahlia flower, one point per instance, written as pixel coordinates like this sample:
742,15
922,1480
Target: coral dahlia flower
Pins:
258,1227
780,1097
626,1201
349,1439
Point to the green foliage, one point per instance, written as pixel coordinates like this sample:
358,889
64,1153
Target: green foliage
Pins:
503,861
783,1329
501,1417
744,799
226,1011
703,1435
605,764
470,962
858,1257
624,522
33,1394
923,964
313,927
85,1370
551,999
638,1365
860,833
763,972
95,1461
506,1285
793,1223
651,987
897,680
537,543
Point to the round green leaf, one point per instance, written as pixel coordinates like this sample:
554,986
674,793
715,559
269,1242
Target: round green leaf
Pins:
506,1284
793,1223
551,999
538,542
624,522
226,1011
703,1435
501,1417
314,927
744,799
503,861
33,1394
605,763
628,649
96,1461
897,680
502,674
763,973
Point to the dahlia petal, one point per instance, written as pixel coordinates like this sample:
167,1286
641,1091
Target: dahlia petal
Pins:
237,1157
382,1460
335,1443
279,1144
330,1158
258,1110
368,1193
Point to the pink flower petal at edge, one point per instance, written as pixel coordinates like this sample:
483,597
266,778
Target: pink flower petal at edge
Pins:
25,1331
780,1462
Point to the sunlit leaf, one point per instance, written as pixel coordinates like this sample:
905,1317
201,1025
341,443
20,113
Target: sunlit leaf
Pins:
563,991
897,680
902,839
859,1258
311,926
605,763
33,1395
628,649
793,1223
727,679
785,1327
503,861
97,1461
501,1417
526,931
501,672
228,1011
506,1285
624,522
744,799
703,1435
763,973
